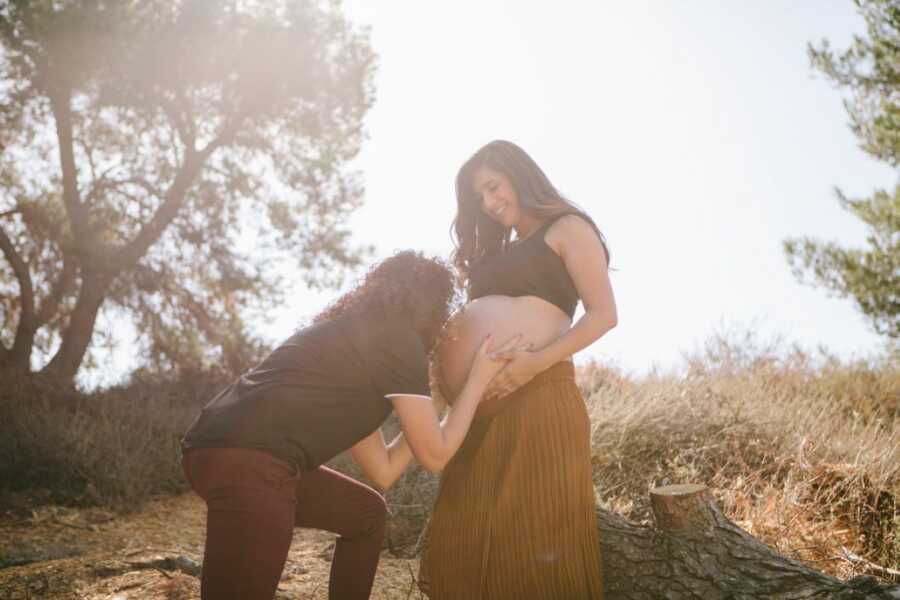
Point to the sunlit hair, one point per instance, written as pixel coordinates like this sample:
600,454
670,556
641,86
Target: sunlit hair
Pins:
475,235
408,285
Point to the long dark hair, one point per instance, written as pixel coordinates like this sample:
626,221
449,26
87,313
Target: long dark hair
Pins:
475,235
406,285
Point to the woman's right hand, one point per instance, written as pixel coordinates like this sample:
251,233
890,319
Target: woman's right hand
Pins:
434,443
484,367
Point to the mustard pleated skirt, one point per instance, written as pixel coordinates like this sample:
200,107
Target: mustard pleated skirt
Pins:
514,515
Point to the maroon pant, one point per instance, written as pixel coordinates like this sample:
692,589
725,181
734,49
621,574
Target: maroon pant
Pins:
255,500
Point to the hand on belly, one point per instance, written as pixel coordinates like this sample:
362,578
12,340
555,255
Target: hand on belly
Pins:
538,321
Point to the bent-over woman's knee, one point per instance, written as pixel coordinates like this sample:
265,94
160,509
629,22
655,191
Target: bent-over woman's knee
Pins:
374,513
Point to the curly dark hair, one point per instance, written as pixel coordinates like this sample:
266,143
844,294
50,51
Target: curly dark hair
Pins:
408,284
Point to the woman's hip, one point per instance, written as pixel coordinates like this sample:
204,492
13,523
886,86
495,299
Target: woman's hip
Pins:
214,472
550,401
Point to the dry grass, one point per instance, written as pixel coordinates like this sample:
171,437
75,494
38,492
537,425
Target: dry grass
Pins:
115,448
805,456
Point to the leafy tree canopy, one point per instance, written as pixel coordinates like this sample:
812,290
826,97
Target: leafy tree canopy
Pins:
169,161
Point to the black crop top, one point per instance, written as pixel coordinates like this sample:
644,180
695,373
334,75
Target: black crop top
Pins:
526,268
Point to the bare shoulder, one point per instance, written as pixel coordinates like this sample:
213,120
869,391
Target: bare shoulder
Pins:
570,230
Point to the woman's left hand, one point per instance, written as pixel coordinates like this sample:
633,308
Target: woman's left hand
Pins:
522,367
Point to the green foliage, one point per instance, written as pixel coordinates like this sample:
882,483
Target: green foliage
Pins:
870,69
170,161
868,276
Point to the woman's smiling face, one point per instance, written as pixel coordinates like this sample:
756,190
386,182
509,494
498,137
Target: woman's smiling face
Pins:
496,196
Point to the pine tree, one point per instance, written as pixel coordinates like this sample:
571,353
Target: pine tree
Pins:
870,70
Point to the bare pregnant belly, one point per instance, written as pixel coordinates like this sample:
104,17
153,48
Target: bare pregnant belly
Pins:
537,320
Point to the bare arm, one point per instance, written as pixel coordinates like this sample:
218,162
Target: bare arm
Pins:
432,442
382,463
581,250
583,254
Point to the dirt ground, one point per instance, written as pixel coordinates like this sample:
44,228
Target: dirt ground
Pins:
153,554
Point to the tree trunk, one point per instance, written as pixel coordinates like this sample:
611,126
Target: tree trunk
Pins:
77,335
18,359
696,552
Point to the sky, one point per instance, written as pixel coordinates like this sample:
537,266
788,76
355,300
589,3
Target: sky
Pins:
696,134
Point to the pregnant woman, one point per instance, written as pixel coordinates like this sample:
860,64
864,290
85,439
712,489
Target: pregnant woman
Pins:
255,453
514,516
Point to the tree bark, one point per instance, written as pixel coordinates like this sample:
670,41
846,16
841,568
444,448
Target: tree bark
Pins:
77,335
695,552
60,95
18,358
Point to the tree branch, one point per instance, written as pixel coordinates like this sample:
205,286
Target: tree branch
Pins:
62,113
20,269
104,184
173,200
100,184
63,284
184,127
20,354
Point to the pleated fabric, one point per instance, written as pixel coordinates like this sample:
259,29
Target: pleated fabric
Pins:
514,516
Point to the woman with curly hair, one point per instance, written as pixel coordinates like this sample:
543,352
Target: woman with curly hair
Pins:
514,515
255,454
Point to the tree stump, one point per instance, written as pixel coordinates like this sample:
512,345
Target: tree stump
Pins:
683,507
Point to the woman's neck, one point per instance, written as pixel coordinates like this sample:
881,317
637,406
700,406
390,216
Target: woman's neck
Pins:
526,226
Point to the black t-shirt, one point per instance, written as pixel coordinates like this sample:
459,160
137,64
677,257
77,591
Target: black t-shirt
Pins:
319,392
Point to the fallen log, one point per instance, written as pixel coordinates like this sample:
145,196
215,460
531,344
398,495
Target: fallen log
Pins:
696,553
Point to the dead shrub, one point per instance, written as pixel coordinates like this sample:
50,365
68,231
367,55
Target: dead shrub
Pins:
802,452
114,448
